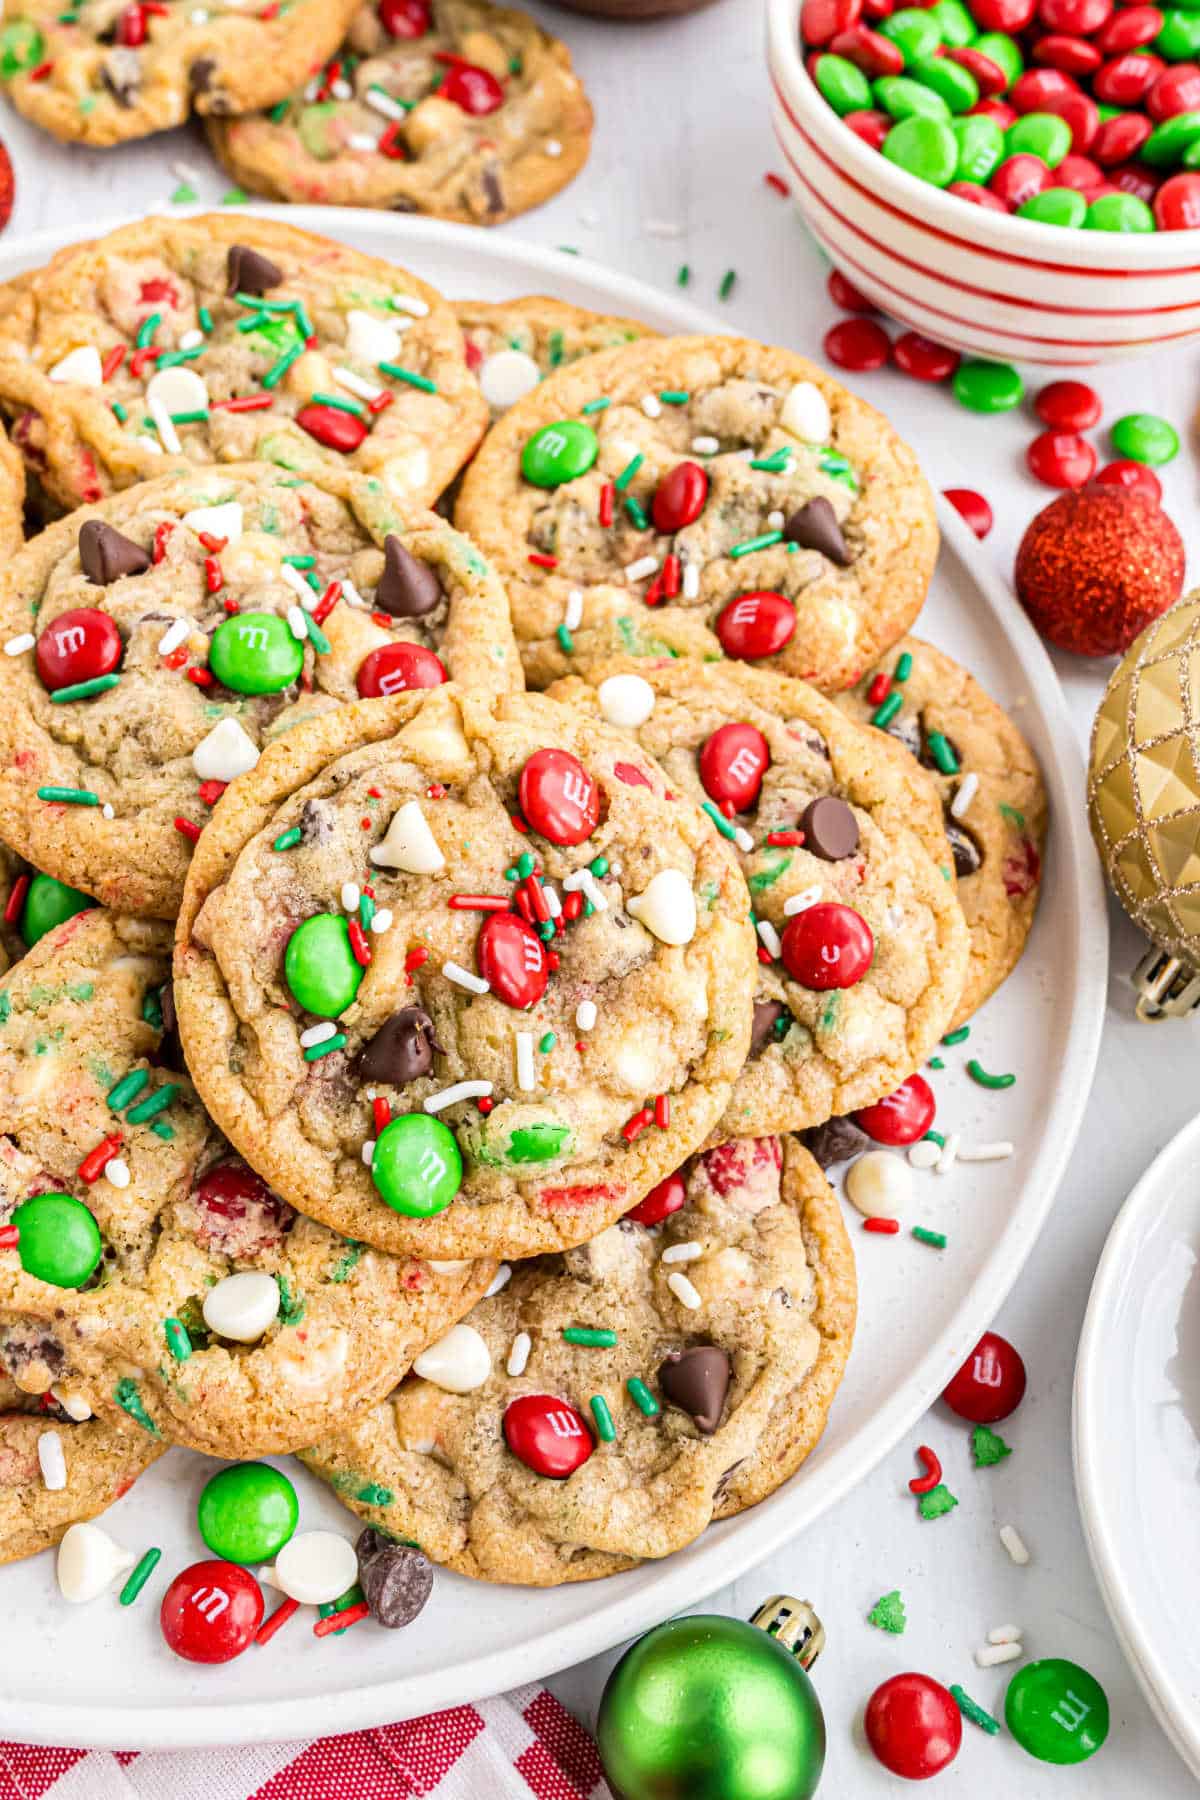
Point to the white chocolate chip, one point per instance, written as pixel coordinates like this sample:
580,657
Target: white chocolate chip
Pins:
518,1355
225,753
80,365
500,1279
242,1306
506,377
585,1015
177,390
88,1563
223,521
878,1185
370,339
667,907
116,1172
74,1405
52,1461
924,1154
316,1567
458,1362
805,413
409,844
626,700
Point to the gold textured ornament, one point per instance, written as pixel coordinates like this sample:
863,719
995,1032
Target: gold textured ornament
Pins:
1144,802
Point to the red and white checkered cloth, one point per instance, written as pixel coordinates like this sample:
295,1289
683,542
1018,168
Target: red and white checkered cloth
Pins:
515,1747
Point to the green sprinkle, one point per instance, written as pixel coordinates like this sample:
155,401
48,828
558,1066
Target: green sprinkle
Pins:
348,1262
254,322
366,911
120,413
339,405
171,359
374,1495
291,1306
683,275
277,371
766,878
598,1338
935,1062
525,865
935,1239
69,796
566,642
376,87
315,1052
971,1709
606,1431
184,194
236,196
198,417
287,840
153,1104
152,1013
127,1089
205,318
83,690
942,752
674,396
888,1614
278,112
628,472
139,1576
934,1137
726,284
978,1073
130,1401
297,561
409,375
147,329
937,1503
161,1129
988,1448
723,825
903,668
316,636
636,511
762,542
1013,816
595,406
178,1341
599,866
642,1398
775,464
547,1043
957,1037
885,713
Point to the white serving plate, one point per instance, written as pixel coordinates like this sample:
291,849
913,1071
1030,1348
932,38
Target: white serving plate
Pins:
101,1676
1137,1435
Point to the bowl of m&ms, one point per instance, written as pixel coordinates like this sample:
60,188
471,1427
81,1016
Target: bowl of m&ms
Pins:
1019,179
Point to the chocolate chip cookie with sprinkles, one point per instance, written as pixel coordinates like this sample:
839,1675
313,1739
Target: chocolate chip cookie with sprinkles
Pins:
155,643
104,71
58,1467
223,339
455,108
512,344
463,978
31,904
991,790
607,1404
862,945
143,1266
12,496
702,497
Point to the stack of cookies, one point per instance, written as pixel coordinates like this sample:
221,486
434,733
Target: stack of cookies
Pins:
399,1066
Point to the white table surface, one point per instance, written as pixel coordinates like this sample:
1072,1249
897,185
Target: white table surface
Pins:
682,143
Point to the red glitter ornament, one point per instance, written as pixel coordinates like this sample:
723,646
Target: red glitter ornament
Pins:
7,188
1097,565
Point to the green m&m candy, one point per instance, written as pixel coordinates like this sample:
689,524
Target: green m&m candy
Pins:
904,98
1145,438
1002,50
955,85
47,904
980,148
247,1513
562,451
954,22
1119,212
1056,1711
1179,39
417,1165
1168,141
842,83
1043,135
20,47
319,965
988,387
1054,206
58,1240
914,31
255,653
927,148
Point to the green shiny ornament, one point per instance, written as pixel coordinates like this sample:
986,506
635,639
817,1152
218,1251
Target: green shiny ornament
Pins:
841,83
562,451
1055,206
927,148
980,148
255,653
1145,438
1043,135
988,387
319,966
47,904
1119,212
58,1239
417,1165
248,1512
1056,1711
21,47
709,1708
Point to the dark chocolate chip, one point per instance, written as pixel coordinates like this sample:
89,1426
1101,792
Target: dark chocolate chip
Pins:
836,1141
814,526
316,822
830,828
166,999
697,1380
107,555
249,271
408,587
201,73
967,855
492,190
818,746
396,1579
401,1050
767,1014
121,73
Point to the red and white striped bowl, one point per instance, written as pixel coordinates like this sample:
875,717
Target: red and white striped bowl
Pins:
985,282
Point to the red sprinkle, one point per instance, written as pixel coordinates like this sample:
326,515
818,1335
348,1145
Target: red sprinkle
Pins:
201,677
925,1484
485,1104
670,576
41,72
214,579
139,359
358,944
283,1613
326,603
161,534
662,1111
389,143
542,562
777,184
572,907
537,899
654,592
889,1227
381,401
341,1621
477,903
877,692
785,840
16,899
112,362
414,959
243,403
212,543
381,1112
186,829
177,658
607,502
92,1166
10,1237
518,824
211,791
634,1127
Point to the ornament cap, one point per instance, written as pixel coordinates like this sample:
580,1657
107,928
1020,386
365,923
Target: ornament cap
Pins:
1166,987
794,1624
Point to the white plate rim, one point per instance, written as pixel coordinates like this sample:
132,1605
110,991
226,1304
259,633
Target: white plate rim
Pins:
692,1574
1173,1708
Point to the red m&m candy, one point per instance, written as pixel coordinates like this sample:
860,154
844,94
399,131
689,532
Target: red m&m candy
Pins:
756,624
404,18
211,1612
828,946
472,88
1177,203
1132,475
512,960
395,668
902,1116
1068,405
1003,15
733,762
843,293
558,797
858,344
660,1202
921,358
1019,178
973,508
872,127
547,1434
1061,459
991,1383
336,429
914,1726
679,497
77,646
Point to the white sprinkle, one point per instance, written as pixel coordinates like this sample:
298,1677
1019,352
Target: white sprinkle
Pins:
770,938
17,646
706,446
461,1090
116,1172
526,1079
340,90
996,1152
74,1405
775,521
924,1154
683,1290
585,1015
988,1655
383,103
296,582
743,840
382,920
589,218
188,172
368,1152
317,1034
474,984
552,147
691,581
638,571
312,89
949,1156
682,1253
801,902
652,406
589,887
964,793
410,303
664,228
177,633
191,340
356,384
1004,1634
550,895
295,619
1013,1542
500,1280
108,811
895,917
518,1356
351,593
572,618
148,443
362,140
162,419
350,896
52,1461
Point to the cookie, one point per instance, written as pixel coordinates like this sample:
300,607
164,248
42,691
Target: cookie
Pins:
991,790
100,1461
512,344
702,497
12,497
841,846
662,1376
31,904
457,109
103,72
174,630
229,1323
499,1064
227,339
